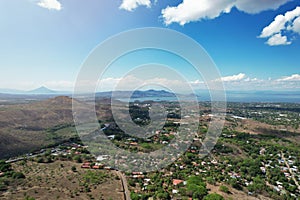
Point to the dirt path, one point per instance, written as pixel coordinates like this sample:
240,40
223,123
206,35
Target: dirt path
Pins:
124,184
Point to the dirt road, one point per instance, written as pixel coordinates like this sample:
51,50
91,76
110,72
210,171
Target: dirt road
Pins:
124,184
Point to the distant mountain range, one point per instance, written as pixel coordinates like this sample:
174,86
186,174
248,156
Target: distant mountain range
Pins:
118,94
136,94
38,91
203,95
146,93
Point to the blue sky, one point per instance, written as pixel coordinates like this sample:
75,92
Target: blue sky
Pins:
254,45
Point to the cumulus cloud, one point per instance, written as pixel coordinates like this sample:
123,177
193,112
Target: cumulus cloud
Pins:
195,10
277,31
294,77
50,4
130,5
236,77
296,25
275,27
278,39
196,82
243,82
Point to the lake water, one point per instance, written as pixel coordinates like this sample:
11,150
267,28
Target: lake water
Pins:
285,97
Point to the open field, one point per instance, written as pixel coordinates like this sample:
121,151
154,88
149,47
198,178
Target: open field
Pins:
57,180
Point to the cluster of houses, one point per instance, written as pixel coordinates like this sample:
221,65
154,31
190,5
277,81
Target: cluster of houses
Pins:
177,182
89,165
66,148
137,175
286,166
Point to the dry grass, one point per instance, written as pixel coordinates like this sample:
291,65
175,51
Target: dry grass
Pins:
234,194
23,127
58,181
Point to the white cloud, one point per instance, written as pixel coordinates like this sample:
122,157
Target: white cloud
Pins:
196,82
296,25
276,31
130,5
50,4
237,77
195,10
251,79
256,6
294,77
291,15
243,82
275,27
277,40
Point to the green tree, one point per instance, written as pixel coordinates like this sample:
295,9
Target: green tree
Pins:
196,180
163,195
214,196
223,188
196,188
77,158
196,191
131,182
200,193
18,175
4,167
258,185
73,168
211,180
134,196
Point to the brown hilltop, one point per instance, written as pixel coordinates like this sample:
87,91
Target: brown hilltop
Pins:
29,126
40,115
60,100
25,127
